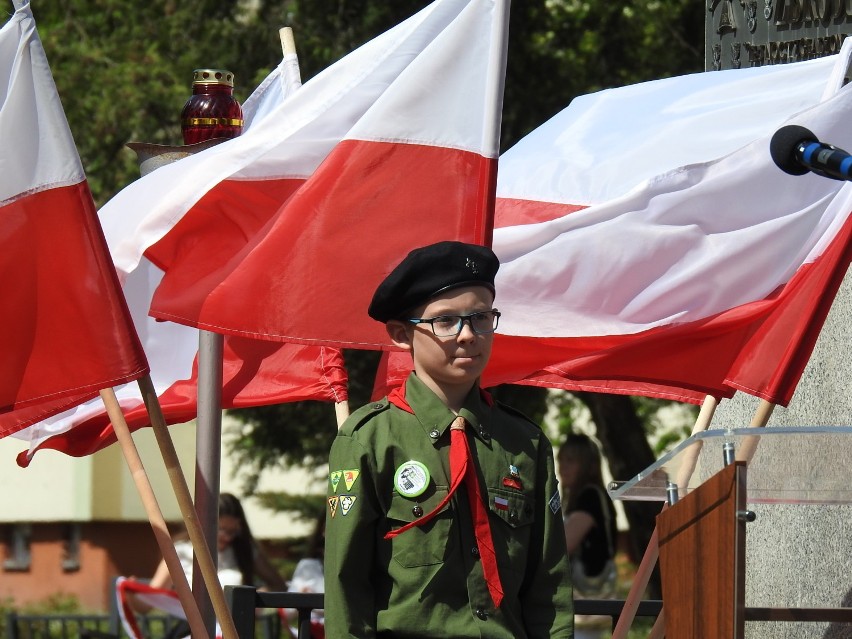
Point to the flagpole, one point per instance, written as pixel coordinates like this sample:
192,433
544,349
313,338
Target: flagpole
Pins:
155,515
292,76
640,581
761,417
702,423
196,536
208,456
341,410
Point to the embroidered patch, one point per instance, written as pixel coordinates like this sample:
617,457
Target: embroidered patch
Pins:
335,479
349,477
346,503
332,506
501,503
512,482
554,503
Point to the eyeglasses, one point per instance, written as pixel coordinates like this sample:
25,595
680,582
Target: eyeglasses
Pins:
481,323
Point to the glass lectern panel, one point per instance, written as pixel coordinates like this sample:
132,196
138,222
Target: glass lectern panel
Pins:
793,465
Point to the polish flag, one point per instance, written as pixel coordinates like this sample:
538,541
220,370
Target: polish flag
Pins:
65,323
255,372
650,246
163,599
392,147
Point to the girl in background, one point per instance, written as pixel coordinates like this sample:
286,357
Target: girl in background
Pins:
590,528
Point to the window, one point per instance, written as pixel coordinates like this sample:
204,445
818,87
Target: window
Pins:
71,548
18,547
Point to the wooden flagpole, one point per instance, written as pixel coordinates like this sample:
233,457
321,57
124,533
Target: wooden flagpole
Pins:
196,536
341,409
637,588
702,423
659,629
155,515
761,417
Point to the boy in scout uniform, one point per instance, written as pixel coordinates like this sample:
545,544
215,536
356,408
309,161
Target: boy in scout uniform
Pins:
443,514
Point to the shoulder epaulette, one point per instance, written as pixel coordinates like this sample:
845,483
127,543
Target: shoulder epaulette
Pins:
363,415
517,413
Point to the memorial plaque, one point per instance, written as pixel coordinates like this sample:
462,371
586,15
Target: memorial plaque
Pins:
751,33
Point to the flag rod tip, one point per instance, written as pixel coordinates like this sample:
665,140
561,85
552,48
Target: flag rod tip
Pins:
288,43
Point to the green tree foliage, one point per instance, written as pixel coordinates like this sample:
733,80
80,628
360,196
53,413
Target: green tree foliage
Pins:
124,68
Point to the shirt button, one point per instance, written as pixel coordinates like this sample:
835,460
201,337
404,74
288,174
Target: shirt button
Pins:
417,511
435,434
513,516
474,551
481,614
484,434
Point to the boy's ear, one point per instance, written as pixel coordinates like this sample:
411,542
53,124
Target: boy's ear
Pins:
399,333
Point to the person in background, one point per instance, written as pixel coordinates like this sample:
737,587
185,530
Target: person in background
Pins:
443,512
590,526
241,561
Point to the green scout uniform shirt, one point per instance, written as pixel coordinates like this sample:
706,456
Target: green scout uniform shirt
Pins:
428,581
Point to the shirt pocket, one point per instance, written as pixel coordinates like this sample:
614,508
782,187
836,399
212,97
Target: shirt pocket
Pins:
510,526
512,507
423,545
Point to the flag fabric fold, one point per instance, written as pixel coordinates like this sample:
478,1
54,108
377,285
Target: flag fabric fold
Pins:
65,320
650,246
163,599
392,147
255,372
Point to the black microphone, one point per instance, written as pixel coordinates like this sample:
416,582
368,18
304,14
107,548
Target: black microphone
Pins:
796,151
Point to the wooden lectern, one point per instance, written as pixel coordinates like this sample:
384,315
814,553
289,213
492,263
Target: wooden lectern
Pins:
702,558
702,535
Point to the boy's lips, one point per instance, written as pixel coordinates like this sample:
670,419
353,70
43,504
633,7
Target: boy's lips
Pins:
465,356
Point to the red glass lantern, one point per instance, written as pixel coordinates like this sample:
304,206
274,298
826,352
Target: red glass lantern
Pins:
212,111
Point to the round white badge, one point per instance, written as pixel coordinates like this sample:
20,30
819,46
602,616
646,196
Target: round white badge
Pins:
411,479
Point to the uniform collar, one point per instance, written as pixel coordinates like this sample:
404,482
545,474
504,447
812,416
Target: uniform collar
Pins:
414,397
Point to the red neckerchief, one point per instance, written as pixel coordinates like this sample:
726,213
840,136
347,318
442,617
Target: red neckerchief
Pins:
397,398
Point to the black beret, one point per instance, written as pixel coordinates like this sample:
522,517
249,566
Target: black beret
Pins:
430,270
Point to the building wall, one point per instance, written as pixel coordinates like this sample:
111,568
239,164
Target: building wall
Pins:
97,494
106,549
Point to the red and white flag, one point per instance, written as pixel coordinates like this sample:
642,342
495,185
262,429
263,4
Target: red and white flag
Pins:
650,246
392,147
65,323
163,599
255,372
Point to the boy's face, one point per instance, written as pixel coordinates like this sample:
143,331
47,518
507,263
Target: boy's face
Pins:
445,362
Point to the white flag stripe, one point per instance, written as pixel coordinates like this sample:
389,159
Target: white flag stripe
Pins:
29,102
654,127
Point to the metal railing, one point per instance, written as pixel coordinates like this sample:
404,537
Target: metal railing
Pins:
81,626
244,600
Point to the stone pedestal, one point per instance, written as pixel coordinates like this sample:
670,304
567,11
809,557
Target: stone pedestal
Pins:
802,555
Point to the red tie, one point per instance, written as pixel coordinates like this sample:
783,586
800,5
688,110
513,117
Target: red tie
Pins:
461,468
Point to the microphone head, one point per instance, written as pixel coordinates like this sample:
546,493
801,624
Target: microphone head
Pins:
783,145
